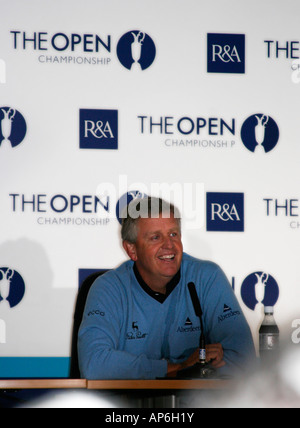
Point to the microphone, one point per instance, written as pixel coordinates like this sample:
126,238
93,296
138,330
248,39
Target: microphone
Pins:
199,313
201,369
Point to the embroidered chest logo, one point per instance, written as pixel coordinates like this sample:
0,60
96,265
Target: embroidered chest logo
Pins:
135,333
228,313
187,327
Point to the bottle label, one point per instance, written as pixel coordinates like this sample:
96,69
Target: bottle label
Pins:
202,354
268,341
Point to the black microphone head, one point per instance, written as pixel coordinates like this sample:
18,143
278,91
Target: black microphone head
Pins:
195,299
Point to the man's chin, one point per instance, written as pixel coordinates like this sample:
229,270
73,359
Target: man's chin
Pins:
169,271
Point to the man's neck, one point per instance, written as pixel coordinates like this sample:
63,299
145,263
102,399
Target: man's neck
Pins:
158,291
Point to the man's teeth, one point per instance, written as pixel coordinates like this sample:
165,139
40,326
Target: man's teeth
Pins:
170,256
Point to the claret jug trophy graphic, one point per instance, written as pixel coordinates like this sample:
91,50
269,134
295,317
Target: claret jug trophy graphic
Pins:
260,131
6,125
136,50
260,289
5,286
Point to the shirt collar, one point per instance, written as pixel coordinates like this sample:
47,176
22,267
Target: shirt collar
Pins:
160,297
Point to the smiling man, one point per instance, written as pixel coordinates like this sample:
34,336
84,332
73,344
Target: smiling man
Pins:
139,320
157,251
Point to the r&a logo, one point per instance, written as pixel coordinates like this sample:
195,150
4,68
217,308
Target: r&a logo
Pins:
98,129
226,53
224,212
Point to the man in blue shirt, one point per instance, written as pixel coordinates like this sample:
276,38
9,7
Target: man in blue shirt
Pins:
139,321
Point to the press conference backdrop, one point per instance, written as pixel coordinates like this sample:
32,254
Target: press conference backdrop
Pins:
102,102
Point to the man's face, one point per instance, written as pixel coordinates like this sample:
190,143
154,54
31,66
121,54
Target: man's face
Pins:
157,250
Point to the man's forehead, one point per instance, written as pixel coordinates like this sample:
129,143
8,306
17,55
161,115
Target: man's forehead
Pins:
160,223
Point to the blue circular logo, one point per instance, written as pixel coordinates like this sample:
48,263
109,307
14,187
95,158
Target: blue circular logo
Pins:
12,127
136,50
12,287
260,133
259,287
125,200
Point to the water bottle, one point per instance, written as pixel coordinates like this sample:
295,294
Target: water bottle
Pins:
268,335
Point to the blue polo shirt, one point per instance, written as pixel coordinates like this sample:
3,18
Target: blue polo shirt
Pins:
129,332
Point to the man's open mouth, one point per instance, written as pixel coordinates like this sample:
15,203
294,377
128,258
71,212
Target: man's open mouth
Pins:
167,257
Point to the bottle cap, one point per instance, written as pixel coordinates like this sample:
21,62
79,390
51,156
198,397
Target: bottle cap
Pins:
269,309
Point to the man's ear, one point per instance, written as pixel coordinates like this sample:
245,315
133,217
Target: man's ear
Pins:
130,250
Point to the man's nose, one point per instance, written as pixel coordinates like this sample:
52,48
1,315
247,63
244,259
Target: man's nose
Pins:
168,243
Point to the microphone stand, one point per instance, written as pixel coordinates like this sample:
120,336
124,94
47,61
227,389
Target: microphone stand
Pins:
201,369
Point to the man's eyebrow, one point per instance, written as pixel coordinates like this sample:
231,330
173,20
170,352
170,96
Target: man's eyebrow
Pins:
152,232
155,232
